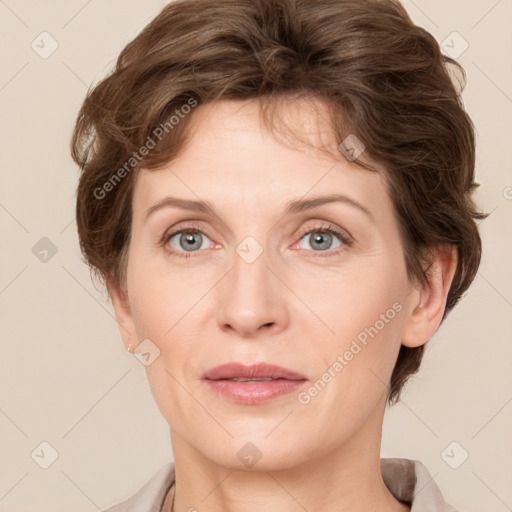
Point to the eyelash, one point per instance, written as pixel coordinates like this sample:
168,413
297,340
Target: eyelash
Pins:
191,228
324,228
346,239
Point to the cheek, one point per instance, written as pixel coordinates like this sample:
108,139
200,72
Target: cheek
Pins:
351,302
161,296
166,310
364,315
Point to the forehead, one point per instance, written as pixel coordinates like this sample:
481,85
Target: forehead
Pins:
232,156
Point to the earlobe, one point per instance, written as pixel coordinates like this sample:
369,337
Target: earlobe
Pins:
428,306
123,315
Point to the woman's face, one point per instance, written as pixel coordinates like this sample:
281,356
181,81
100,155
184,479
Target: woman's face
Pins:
266,276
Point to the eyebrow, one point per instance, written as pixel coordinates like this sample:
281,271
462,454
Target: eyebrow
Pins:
296,206
306,204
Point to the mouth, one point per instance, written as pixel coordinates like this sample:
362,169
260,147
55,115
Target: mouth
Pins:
260,371
248,380
254,384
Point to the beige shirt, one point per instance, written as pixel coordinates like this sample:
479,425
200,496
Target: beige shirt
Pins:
408,481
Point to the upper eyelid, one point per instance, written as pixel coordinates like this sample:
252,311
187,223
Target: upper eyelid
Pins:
326,225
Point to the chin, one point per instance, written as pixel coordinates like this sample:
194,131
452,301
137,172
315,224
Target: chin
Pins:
249,452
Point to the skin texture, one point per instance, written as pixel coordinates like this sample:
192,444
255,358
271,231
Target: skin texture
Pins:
295,306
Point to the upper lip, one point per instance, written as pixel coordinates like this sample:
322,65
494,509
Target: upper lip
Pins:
260,370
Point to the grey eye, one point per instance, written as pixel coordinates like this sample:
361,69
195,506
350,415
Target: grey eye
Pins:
189,241
320,240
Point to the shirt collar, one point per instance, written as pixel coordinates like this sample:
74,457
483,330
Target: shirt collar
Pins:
410,482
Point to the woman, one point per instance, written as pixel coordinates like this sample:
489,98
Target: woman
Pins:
277,195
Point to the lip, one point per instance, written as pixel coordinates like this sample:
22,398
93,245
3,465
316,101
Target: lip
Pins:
283,381
260,370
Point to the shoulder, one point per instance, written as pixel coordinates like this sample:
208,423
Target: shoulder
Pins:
410,481
150,497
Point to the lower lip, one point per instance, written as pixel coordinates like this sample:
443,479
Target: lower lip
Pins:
255,392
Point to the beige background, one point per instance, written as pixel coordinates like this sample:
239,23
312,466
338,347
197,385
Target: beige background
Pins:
64,375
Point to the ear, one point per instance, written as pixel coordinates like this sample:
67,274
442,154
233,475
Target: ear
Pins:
123,315
429,300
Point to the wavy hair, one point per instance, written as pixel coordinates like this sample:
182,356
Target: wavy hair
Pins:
383,79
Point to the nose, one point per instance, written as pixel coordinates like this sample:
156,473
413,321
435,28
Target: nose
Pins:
251,300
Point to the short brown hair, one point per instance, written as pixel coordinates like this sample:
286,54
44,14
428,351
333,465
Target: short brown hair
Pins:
383,78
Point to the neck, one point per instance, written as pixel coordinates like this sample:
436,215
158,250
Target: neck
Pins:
346,477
